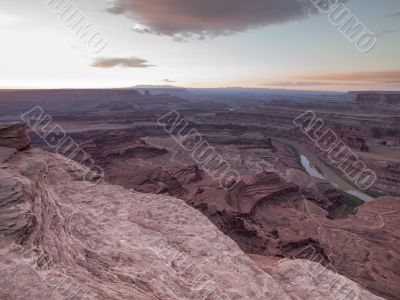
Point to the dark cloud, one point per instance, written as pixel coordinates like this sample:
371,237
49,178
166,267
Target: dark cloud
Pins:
186,18
129,62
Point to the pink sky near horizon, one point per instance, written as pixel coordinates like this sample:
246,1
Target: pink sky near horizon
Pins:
201,47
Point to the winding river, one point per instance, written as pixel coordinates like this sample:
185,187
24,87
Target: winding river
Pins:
316,168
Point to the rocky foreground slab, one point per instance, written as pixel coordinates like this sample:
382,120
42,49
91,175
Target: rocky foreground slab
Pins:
65,238
13,135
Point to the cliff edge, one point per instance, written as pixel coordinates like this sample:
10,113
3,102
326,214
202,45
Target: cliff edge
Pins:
62,237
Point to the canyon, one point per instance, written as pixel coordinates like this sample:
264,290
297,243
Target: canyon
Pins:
63,237
271,225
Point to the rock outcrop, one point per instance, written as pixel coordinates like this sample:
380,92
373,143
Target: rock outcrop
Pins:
264,214
67,238
354,142
6,153
376,97
298,277
62,237
13,135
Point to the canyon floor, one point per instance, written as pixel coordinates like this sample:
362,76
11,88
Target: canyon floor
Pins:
288,201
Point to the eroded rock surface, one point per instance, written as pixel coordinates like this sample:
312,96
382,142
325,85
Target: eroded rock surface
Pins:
267,215
112,243
298,278
66,238
13,135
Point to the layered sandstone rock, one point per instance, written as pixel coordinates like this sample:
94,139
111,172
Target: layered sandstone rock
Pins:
107,242
354,142
6,153
376,97
264,214
298,277
13,135
65,238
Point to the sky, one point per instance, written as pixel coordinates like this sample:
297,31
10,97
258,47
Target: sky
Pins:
286,44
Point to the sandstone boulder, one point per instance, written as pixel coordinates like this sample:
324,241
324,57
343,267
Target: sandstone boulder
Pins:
13,135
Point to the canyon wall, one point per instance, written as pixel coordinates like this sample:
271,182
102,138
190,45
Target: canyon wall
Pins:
62,237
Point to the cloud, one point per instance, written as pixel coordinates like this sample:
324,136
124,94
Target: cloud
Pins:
183,19
383,77
129,62
294,84
168,81
388,31
394,29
